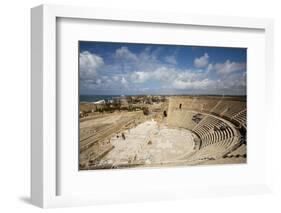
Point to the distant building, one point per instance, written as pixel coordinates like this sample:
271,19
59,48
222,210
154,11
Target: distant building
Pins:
98,105
99,102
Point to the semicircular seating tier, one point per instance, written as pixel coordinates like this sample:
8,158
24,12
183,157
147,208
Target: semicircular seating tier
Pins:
220,123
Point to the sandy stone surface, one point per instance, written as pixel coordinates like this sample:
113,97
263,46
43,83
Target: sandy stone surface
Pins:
150,143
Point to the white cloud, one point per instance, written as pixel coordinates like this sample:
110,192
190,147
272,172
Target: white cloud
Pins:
229,67
172,78
124,81
234,81
210,67
163,74
115,78
196,84
171,59
89,64
125,54
142,71
98,81
202,61
139,76
160,74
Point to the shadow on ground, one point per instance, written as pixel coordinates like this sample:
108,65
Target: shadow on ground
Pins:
24,199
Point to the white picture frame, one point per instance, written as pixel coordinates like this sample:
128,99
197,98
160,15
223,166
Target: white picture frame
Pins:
44,154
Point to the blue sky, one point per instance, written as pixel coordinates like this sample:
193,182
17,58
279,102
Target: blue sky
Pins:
108,68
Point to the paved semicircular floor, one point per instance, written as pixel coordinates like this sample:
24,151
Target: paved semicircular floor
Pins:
150,143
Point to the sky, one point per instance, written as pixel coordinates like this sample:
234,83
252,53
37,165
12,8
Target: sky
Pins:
107,68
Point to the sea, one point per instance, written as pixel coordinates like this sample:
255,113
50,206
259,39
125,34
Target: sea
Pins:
94,98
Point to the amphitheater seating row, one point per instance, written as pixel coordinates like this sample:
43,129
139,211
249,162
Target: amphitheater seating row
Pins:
240,151
218,138
212,130
183,119
229,108
203,105
241,117
210,152
224,107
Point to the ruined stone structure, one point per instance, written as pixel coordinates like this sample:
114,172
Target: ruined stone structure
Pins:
220,123
180,131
